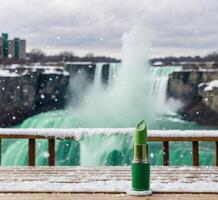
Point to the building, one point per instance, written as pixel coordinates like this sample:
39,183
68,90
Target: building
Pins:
12,49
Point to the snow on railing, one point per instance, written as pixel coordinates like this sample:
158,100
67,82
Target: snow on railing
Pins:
77,133
165,136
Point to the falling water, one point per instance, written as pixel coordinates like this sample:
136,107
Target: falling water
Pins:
113,71
98,76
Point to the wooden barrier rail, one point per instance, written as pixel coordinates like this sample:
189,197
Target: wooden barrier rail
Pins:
71,134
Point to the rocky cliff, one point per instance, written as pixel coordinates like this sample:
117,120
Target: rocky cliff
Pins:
199,98
27,90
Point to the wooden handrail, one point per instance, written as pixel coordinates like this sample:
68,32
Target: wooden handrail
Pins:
72,134
150,138
183,139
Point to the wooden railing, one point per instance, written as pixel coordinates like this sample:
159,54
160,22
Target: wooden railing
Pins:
195,147
74,134
32,147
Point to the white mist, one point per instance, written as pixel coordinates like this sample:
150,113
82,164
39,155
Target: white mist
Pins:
129,99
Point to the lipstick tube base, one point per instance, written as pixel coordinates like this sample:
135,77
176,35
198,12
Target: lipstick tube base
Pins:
140,176
140,180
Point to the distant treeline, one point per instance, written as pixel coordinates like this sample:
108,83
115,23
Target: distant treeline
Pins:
37,55
211,57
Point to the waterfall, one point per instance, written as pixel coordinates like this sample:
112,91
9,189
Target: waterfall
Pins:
98,75
159,79
113,71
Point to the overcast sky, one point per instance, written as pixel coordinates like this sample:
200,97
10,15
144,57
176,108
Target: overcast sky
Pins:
175,27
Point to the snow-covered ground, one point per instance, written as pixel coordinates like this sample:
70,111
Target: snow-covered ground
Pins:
11,70
211,85
109,186
7,73
107,179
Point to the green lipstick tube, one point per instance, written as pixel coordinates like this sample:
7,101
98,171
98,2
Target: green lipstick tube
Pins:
140,163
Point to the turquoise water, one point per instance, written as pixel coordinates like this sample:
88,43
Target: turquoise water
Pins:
101,149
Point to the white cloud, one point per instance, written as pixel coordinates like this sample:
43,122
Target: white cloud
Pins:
173,25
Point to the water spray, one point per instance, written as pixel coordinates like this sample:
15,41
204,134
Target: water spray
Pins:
140,163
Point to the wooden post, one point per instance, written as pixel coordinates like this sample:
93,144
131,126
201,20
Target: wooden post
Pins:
51,151
0,151
195,153
216,153
166,153
32,152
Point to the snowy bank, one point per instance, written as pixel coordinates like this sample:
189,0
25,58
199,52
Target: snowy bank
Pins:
211,85
7,73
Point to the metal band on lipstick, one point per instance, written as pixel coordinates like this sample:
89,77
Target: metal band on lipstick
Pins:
140,154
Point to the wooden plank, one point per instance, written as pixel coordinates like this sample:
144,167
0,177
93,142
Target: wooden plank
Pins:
216,154
195,153
103,196
51,151
188,172
165,153
108,169
29,136
32,152
183,139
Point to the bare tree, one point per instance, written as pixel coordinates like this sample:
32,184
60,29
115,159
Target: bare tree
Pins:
36,55
66,56
89,55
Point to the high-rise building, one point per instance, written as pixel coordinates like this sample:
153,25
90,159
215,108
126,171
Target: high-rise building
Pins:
11,49
14,49
5,45
22,49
